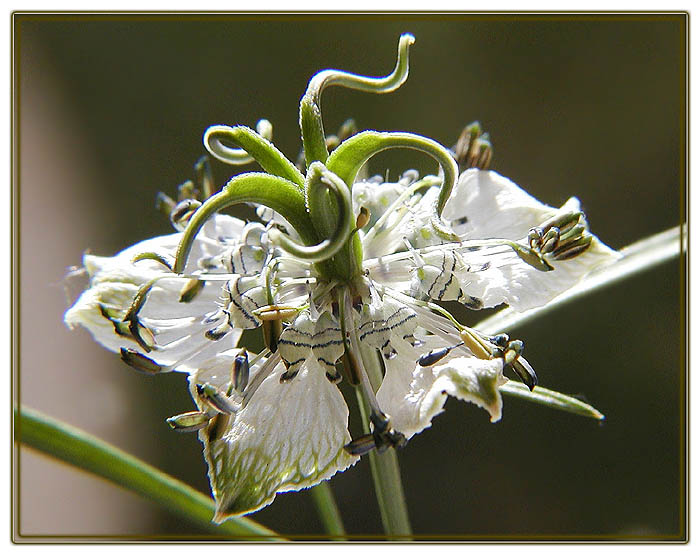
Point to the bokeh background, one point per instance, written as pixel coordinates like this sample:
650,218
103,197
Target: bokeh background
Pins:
111,110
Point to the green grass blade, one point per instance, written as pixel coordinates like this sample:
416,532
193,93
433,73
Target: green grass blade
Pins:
87,452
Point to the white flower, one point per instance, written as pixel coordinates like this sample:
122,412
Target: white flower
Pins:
277,421
351,288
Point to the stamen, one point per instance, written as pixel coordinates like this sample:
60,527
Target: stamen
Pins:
362,218
473,149
277,312
141,362
217,399
265,370
219,332
205,180
218,425
183,212
189,421
164,204
436,355
361,445
191,289
131,317
525,372
186,191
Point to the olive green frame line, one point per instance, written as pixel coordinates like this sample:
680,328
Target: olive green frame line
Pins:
87,452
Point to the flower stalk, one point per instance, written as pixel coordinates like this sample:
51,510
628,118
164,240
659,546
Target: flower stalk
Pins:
327,510
384,466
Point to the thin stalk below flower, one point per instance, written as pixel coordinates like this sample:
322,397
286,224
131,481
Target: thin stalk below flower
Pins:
386,473
327,510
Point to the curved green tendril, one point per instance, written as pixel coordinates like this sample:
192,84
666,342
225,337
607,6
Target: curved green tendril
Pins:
319,182
310,120
267,190
254,147
346,160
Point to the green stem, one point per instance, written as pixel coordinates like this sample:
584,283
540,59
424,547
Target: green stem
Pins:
327,509
89,453
386,473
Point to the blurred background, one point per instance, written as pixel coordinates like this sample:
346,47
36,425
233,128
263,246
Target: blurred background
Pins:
112,110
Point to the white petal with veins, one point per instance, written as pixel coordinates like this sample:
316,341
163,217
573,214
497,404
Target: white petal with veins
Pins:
289,436
412,394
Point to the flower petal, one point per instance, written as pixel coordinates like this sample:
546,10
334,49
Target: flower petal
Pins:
178,328
289,436
412,394
486,205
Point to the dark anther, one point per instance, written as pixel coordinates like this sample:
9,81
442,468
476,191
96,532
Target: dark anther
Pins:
183,211
217,427
524,371
501,340
191,290
205,181
240,371
188,421
218,332
216,398
433,356
140,362
135,328
473,148
360,446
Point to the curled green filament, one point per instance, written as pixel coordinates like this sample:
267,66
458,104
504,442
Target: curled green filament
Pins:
254,147
320,182
233,156
267,190
310,120
351,155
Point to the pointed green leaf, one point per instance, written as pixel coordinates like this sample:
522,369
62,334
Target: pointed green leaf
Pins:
552,399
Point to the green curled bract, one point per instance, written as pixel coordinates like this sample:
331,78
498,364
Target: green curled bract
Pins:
272,191
346,161
310,120
253,147
320,182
